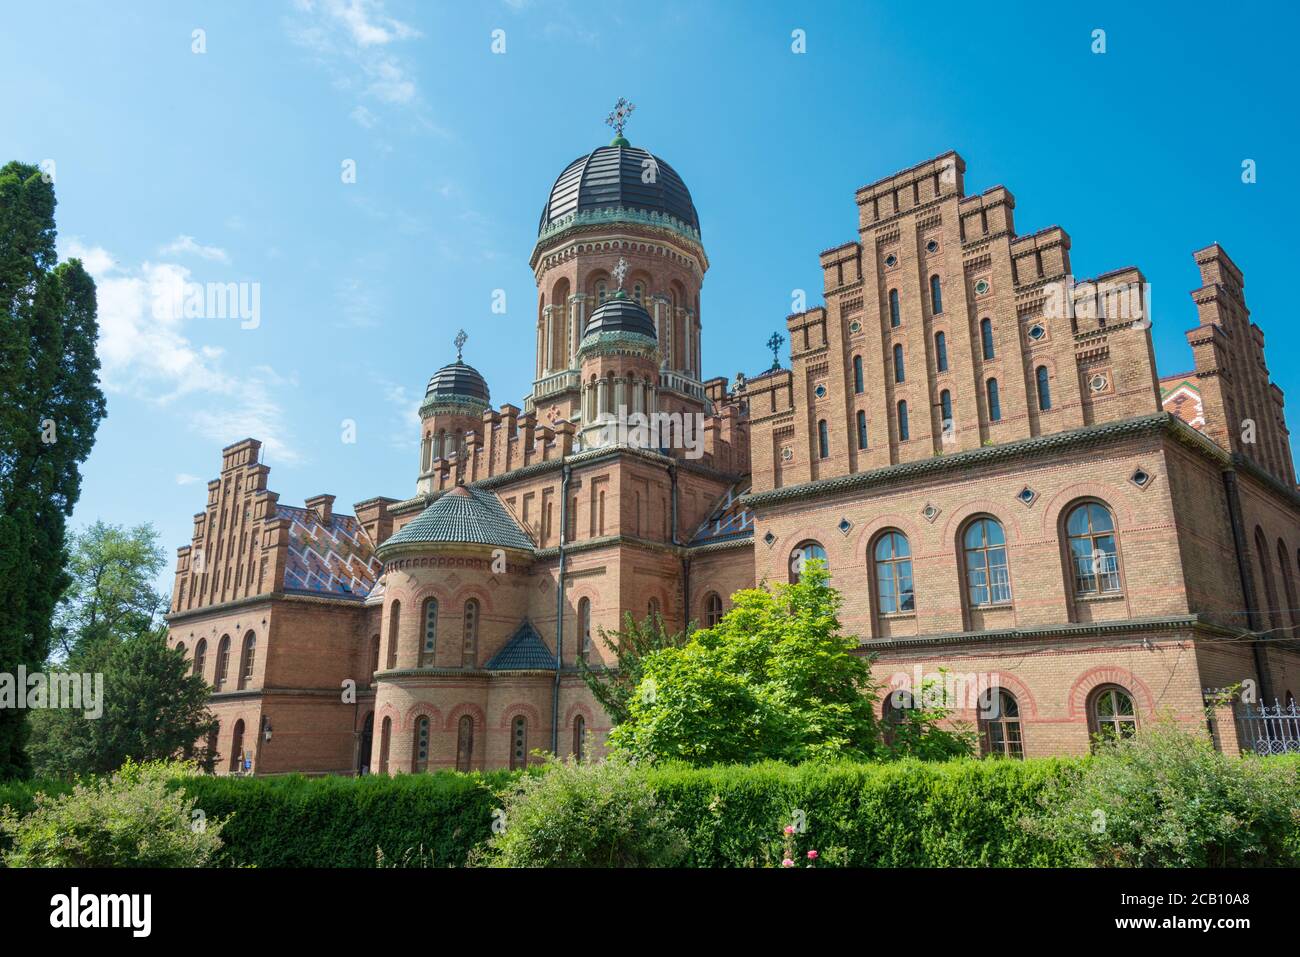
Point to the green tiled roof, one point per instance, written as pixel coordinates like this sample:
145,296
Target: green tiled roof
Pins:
525,651
463,515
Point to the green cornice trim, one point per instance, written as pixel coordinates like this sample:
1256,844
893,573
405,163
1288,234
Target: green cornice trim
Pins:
451,403
1082,630
612,215
615,341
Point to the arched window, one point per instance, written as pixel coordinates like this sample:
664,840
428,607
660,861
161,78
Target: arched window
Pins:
899,374
999,722
987,580
903,431
995,403
862,429
895,710
394,622
213,738
385,739
601,291
945,412
248,660
200,656
893,561
712,609
237,748
584,629
804,553
1044,389
1093,555
1288,583
940,352
464,743
429,646
223,662
857,375
895,315
579,737
1272,613
652,609
986,337
519,743
469,650
823,440
638,292
1111,713
180,646
374,657
420,746
936,295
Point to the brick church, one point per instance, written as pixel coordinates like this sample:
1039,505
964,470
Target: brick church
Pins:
975,442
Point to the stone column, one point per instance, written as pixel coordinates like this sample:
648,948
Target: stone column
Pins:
577,306
548,314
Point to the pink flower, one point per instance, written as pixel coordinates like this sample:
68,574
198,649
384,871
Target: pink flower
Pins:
812,855
789,829
787,863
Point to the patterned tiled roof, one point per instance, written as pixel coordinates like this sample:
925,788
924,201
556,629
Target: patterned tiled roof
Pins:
1181,396
525,651
328,558
464,515
730,518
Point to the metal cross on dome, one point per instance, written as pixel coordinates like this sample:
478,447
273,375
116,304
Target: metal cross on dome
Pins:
620,271
618,118
460,341
775,344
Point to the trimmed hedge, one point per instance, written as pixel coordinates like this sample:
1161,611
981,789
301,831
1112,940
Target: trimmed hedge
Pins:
903,814
296,821
963,813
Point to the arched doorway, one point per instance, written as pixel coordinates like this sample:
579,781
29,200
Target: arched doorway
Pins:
367,743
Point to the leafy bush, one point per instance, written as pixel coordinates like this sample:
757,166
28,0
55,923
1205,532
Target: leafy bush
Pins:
585,815
1166,798
136,818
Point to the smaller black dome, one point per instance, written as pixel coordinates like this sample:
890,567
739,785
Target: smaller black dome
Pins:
458,381
620,313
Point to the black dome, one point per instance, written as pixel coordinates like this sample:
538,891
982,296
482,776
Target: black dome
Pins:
620,313
610,177
458,380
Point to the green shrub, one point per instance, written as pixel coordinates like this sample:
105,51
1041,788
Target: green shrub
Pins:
1166,798
136,818
601,814
295,821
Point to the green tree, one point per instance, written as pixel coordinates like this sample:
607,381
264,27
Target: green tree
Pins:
614,687
153,709
51,408
775,679
111,595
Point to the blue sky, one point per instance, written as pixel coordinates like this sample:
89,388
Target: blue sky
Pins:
225,167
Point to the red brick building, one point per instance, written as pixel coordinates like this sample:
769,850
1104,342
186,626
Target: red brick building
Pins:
976,442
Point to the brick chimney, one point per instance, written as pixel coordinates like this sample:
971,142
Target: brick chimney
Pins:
322,505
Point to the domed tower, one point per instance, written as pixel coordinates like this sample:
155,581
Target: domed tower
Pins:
618,359
454,404
619,202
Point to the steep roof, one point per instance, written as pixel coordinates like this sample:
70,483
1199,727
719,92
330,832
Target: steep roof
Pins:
334,558
525,651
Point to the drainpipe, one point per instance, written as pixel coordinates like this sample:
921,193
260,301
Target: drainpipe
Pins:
686,562
559,614
1239,542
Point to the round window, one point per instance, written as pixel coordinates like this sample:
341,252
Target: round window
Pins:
932,246
981,287
855,326
820,391
891,260
1036,331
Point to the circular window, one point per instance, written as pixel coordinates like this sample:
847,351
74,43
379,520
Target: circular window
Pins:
1037,331
855,326
820,392
981,287
1098,383
787,453
932,246
891,260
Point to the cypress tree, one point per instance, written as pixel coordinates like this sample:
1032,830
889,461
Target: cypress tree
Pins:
50,407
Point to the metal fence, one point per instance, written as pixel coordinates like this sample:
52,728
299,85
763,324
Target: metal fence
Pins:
1269,729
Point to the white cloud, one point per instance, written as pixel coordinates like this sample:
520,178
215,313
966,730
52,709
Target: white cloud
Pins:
186,245
146,352
352,39
404,426
185,478
364,117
